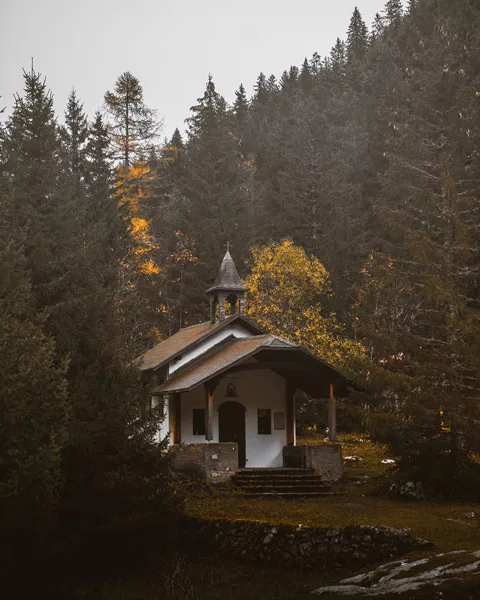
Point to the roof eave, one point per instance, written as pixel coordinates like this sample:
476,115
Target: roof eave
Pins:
251,355
225,288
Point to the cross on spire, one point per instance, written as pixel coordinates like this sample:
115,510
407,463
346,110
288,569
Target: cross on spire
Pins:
228,245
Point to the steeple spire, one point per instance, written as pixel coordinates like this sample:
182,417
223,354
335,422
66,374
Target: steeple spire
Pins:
227,287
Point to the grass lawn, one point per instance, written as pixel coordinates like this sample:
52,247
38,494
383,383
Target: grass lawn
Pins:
449,525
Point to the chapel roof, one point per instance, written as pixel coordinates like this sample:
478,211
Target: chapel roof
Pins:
186,338
225,356
227,279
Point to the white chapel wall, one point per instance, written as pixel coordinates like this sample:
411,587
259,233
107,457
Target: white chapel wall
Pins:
261,389
164,428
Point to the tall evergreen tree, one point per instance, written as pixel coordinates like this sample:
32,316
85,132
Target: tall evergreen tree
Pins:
177,140
305,77
133,126
261,89
393,12
377,28
31,164
357,38
74,134
240,106
338,58
33,395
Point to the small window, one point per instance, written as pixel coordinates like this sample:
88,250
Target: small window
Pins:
198,421
264,421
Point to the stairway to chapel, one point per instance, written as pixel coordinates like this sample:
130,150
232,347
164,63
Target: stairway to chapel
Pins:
281,482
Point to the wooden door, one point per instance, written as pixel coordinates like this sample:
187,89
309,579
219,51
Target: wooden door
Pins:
231,425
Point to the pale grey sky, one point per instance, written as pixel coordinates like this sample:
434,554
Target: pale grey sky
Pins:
169,45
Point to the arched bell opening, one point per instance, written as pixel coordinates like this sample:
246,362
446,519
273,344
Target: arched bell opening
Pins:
232,302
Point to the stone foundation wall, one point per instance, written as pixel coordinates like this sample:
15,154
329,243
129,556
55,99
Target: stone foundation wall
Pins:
297,546
214,463
325,459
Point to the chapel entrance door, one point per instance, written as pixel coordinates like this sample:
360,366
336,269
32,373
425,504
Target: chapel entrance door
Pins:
231,427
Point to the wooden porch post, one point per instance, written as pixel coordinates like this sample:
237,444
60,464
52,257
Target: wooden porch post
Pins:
208,412
332,416
175,415
290,414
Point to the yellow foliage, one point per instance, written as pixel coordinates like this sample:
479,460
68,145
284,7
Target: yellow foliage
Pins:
285,293
150,267
133,187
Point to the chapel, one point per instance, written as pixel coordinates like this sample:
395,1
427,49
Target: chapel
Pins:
227,389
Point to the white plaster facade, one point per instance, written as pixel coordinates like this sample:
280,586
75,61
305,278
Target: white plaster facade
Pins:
260,389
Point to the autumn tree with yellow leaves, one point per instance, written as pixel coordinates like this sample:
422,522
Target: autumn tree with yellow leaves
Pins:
287,296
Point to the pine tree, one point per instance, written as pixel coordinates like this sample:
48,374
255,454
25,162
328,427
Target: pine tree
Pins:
31,164
272,85
33,398
133,126
393,12
338,58
176,141
240,106
74,134
316,63
99,169
377,28
305,77
357,38
261,90
212,194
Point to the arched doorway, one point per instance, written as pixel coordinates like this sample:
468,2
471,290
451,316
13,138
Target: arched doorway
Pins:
231,427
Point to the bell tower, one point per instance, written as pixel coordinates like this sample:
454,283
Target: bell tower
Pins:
227,289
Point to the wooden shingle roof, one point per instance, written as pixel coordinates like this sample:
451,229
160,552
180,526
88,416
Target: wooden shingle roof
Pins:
186,338
224,357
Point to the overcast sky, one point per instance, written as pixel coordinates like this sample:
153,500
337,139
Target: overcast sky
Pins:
169,45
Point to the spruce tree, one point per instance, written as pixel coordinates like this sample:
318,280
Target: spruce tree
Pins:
357,38
393,12
240,106
261,90
338,58
176,141
305,77
74,134
31,164
377,28
272,85
33,396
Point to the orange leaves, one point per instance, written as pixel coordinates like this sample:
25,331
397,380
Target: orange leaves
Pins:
286,294
132,190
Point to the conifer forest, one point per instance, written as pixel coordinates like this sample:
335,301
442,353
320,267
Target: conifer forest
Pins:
359,170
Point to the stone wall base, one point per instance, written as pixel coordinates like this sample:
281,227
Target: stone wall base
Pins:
213,463
321,549
325,459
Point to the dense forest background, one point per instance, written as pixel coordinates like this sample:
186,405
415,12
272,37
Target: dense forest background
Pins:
367,158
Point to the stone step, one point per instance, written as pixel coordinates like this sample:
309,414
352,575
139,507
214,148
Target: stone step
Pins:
286,490
279,478
295,494
280,483
250,471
